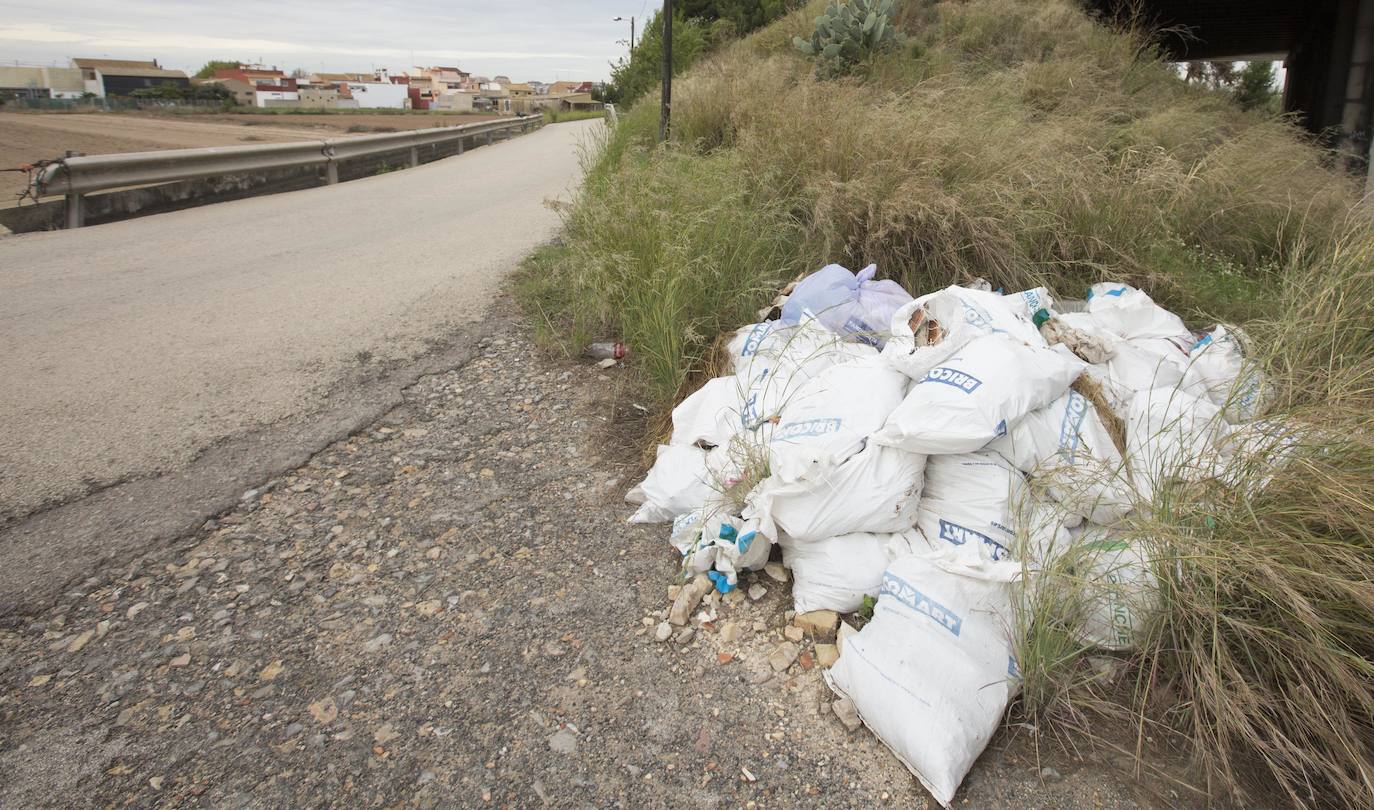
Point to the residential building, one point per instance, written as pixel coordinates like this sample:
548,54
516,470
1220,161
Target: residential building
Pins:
563,88
497,98
243,91
269,86
120,77
375,94
518,89
375,90
41,82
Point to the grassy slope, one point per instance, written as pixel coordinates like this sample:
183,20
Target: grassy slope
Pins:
1021,142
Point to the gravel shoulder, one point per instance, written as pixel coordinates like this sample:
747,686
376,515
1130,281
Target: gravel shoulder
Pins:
446,608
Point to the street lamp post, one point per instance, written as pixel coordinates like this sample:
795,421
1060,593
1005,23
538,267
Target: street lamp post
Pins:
666,111
632,29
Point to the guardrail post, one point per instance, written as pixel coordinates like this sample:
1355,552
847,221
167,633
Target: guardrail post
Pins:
460,146
488,137
414,156
76,211
331,173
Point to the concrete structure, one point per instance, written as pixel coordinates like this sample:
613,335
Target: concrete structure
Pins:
42,82
322,97
457,100
1327,47
120,77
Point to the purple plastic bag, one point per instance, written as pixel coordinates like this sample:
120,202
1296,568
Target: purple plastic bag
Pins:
848,304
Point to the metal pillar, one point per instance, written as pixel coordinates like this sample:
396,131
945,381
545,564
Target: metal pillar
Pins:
331,173
414,156
488,137
460,147
76,211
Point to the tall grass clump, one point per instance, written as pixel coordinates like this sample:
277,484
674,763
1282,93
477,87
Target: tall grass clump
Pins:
1023,142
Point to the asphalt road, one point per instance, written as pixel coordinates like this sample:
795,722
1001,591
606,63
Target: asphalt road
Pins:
155,367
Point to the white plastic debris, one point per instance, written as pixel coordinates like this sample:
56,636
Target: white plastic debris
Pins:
838,572
976,395
933,672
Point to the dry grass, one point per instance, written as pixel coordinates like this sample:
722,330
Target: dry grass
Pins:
1018,141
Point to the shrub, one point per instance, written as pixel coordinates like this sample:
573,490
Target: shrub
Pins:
847,33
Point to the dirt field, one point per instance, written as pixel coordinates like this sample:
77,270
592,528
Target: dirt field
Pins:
27,137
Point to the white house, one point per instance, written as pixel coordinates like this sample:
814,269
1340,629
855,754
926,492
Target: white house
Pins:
380,94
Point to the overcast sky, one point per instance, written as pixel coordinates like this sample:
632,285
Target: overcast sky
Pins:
526,40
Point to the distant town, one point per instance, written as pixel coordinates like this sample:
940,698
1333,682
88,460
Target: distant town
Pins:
255,85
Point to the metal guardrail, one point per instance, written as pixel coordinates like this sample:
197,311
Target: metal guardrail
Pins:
75,177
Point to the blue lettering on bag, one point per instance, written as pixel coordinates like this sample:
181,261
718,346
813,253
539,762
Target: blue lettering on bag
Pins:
959,535
755,339
953,377
807,429
1071,426
859,329
903,592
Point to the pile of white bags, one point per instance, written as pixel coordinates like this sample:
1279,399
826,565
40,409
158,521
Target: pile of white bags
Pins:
946,474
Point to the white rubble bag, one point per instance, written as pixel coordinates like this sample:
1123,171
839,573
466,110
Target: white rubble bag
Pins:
932,328
849,304
1172,434
876,490
678,483
1132,314
976,394
831,416
710,415
774,373
838,572
1028,302
969,506
1119,589
1134,365
1217,371
1067,449
933,672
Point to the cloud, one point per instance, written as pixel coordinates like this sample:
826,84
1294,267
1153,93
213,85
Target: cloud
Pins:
530,40
173,41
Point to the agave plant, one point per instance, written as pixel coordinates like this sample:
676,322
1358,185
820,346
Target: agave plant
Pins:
848,32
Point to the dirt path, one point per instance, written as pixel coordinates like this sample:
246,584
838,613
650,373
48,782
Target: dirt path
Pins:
445,609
